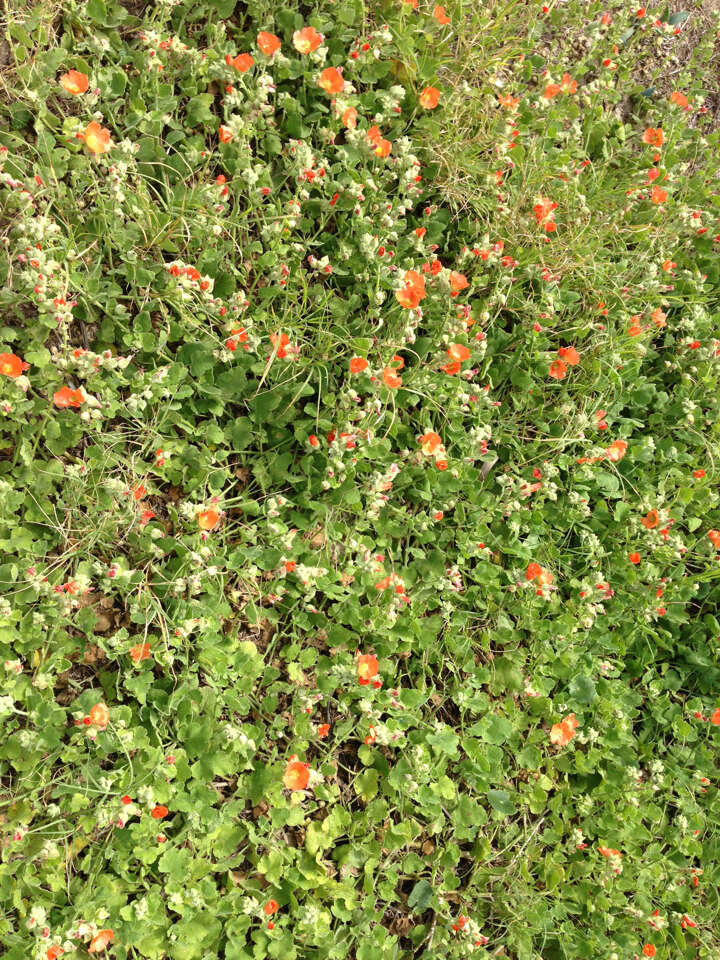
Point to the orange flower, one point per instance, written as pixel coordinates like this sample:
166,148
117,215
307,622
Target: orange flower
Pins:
714,536
99,715
679,99
225,134
391,379
635,558
382,147
307,39
616,451
558,370
237,335
458,282
562,733
331,80
650,520
440,15
458,351
658,195
609,852
659,318
358,364
654,136
141,651
54,952
349,118
67,397
100,941
429,98
159,811
367,668
544,210
715,718
323,730
635,328
12,366
97,138
507,101
242,62
280,341
649,950
537,574
566,85
430,442
413,291
271,907
74,82
268,43
208,519
434,268
297,775
569,355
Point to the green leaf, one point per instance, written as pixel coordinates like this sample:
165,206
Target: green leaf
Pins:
366,785
176,863
198,110
264,404
608,483
96,10
19,33
260,781
583,689
495,729
622,511
38,358
315,839
118,83
530,757
420,896
444,741
501,801
349,13
225,8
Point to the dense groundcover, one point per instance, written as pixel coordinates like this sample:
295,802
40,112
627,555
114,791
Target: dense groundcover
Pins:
358,470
